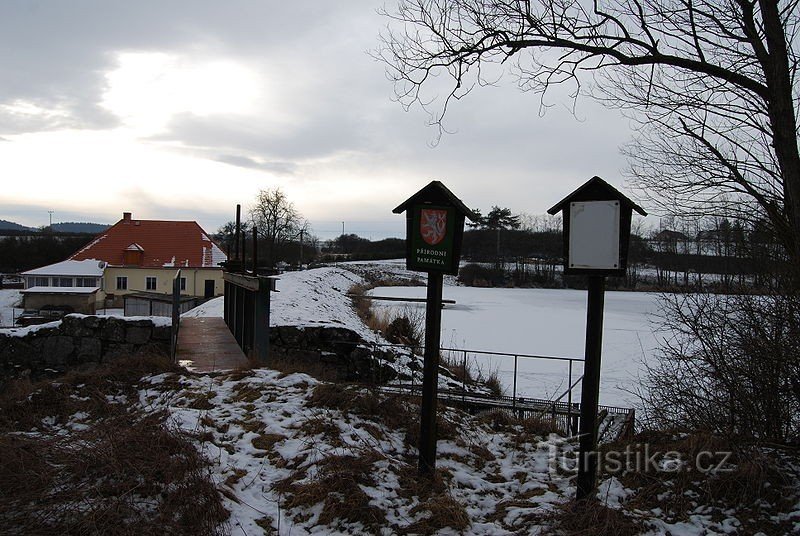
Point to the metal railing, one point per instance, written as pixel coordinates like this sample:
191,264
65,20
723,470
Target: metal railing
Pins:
565,414
246,312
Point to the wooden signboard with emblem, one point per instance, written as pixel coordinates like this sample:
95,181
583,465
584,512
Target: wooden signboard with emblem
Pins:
434,232
434,229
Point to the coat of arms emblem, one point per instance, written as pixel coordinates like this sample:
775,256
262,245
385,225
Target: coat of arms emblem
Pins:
433,225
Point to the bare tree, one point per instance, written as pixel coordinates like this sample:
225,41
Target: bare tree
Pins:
277,220
710,84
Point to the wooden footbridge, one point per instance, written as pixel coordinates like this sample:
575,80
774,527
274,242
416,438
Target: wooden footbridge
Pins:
206,344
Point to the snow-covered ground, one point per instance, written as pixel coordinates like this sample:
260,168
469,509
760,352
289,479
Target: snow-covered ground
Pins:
548,322
311,298
9,299
265,430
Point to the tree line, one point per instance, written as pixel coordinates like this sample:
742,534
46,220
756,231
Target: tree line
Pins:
26,252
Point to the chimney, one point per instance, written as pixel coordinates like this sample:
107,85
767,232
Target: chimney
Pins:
126,217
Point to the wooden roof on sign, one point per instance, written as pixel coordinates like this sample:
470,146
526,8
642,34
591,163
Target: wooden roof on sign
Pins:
436,193
596,189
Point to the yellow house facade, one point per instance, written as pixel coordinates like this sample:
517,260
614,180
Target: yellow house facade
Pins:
121,280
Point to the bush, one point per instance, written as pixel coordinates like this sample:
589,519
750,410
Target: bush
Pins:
731,365
475,275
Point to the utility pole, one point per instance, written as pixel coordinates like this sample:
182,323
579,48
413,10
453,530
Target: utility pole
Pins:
301,248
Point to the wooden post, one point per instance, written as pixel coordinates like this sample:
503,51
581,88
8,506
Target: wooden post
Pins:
236,232
587,460
176,315
434,234
430,375
255,251
244,255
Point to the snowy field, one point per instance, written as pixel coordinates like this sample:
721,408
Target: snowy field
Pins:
9,298
546,322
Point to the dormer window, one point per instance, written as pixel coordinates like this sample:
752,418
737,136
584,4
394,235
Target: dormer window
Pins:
133,255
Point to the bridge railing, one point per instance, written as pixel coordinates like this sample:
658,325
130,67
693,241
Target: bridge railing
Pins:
246,312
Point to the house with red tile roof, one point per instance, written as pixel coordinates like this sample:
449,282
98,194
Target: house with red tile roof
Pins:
139,256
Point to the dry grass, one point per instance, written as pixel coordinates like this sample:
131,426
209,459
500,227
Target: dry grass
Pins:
525,430
337,485
267,441
754,482
438,508
117,471
391,411
446,427
591,518
406,328
470,372
306,364
443,511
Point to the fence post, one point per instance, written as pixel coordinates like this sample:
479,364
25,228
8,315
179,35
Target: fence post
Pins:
569,401
514,392
464,380
176,316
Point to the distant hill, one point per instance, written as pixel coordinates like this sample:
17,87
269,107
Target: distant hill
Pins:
6,225
79,227
66,227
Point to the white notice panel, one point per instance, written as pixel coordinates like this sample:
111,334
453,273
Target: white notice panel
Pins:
594,235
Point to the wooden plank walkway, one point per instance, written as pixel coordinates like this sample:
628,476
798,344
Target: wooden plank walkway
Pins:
206,345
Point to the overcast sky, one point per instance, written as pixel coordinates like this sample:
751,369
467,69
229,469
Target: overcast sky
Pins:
179,110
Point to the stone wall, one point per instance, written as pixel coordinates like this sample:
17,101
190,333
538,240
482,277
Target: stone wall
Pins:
77,341
340,351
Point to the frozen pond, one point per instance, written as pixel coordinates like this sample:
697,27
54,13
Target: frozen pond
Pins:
543,322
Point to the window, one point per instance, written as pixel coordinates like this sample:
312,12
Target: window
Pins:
85,281
183,283
38,282
65,282
122,283
150,283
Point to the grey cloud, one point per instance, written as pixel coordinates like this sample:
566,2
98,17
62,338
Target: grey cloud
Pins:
283,168
56,53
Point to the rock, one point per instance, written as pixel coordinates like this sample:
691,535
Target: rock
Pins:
114,330
18,351
162,333
138,335
117,350
93,322
90,349
57,350
143,323
152,348
74,326
288,336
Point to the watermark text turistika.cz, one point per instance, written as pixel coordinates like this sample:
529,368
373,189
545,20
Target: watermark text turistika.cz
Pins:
641,458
